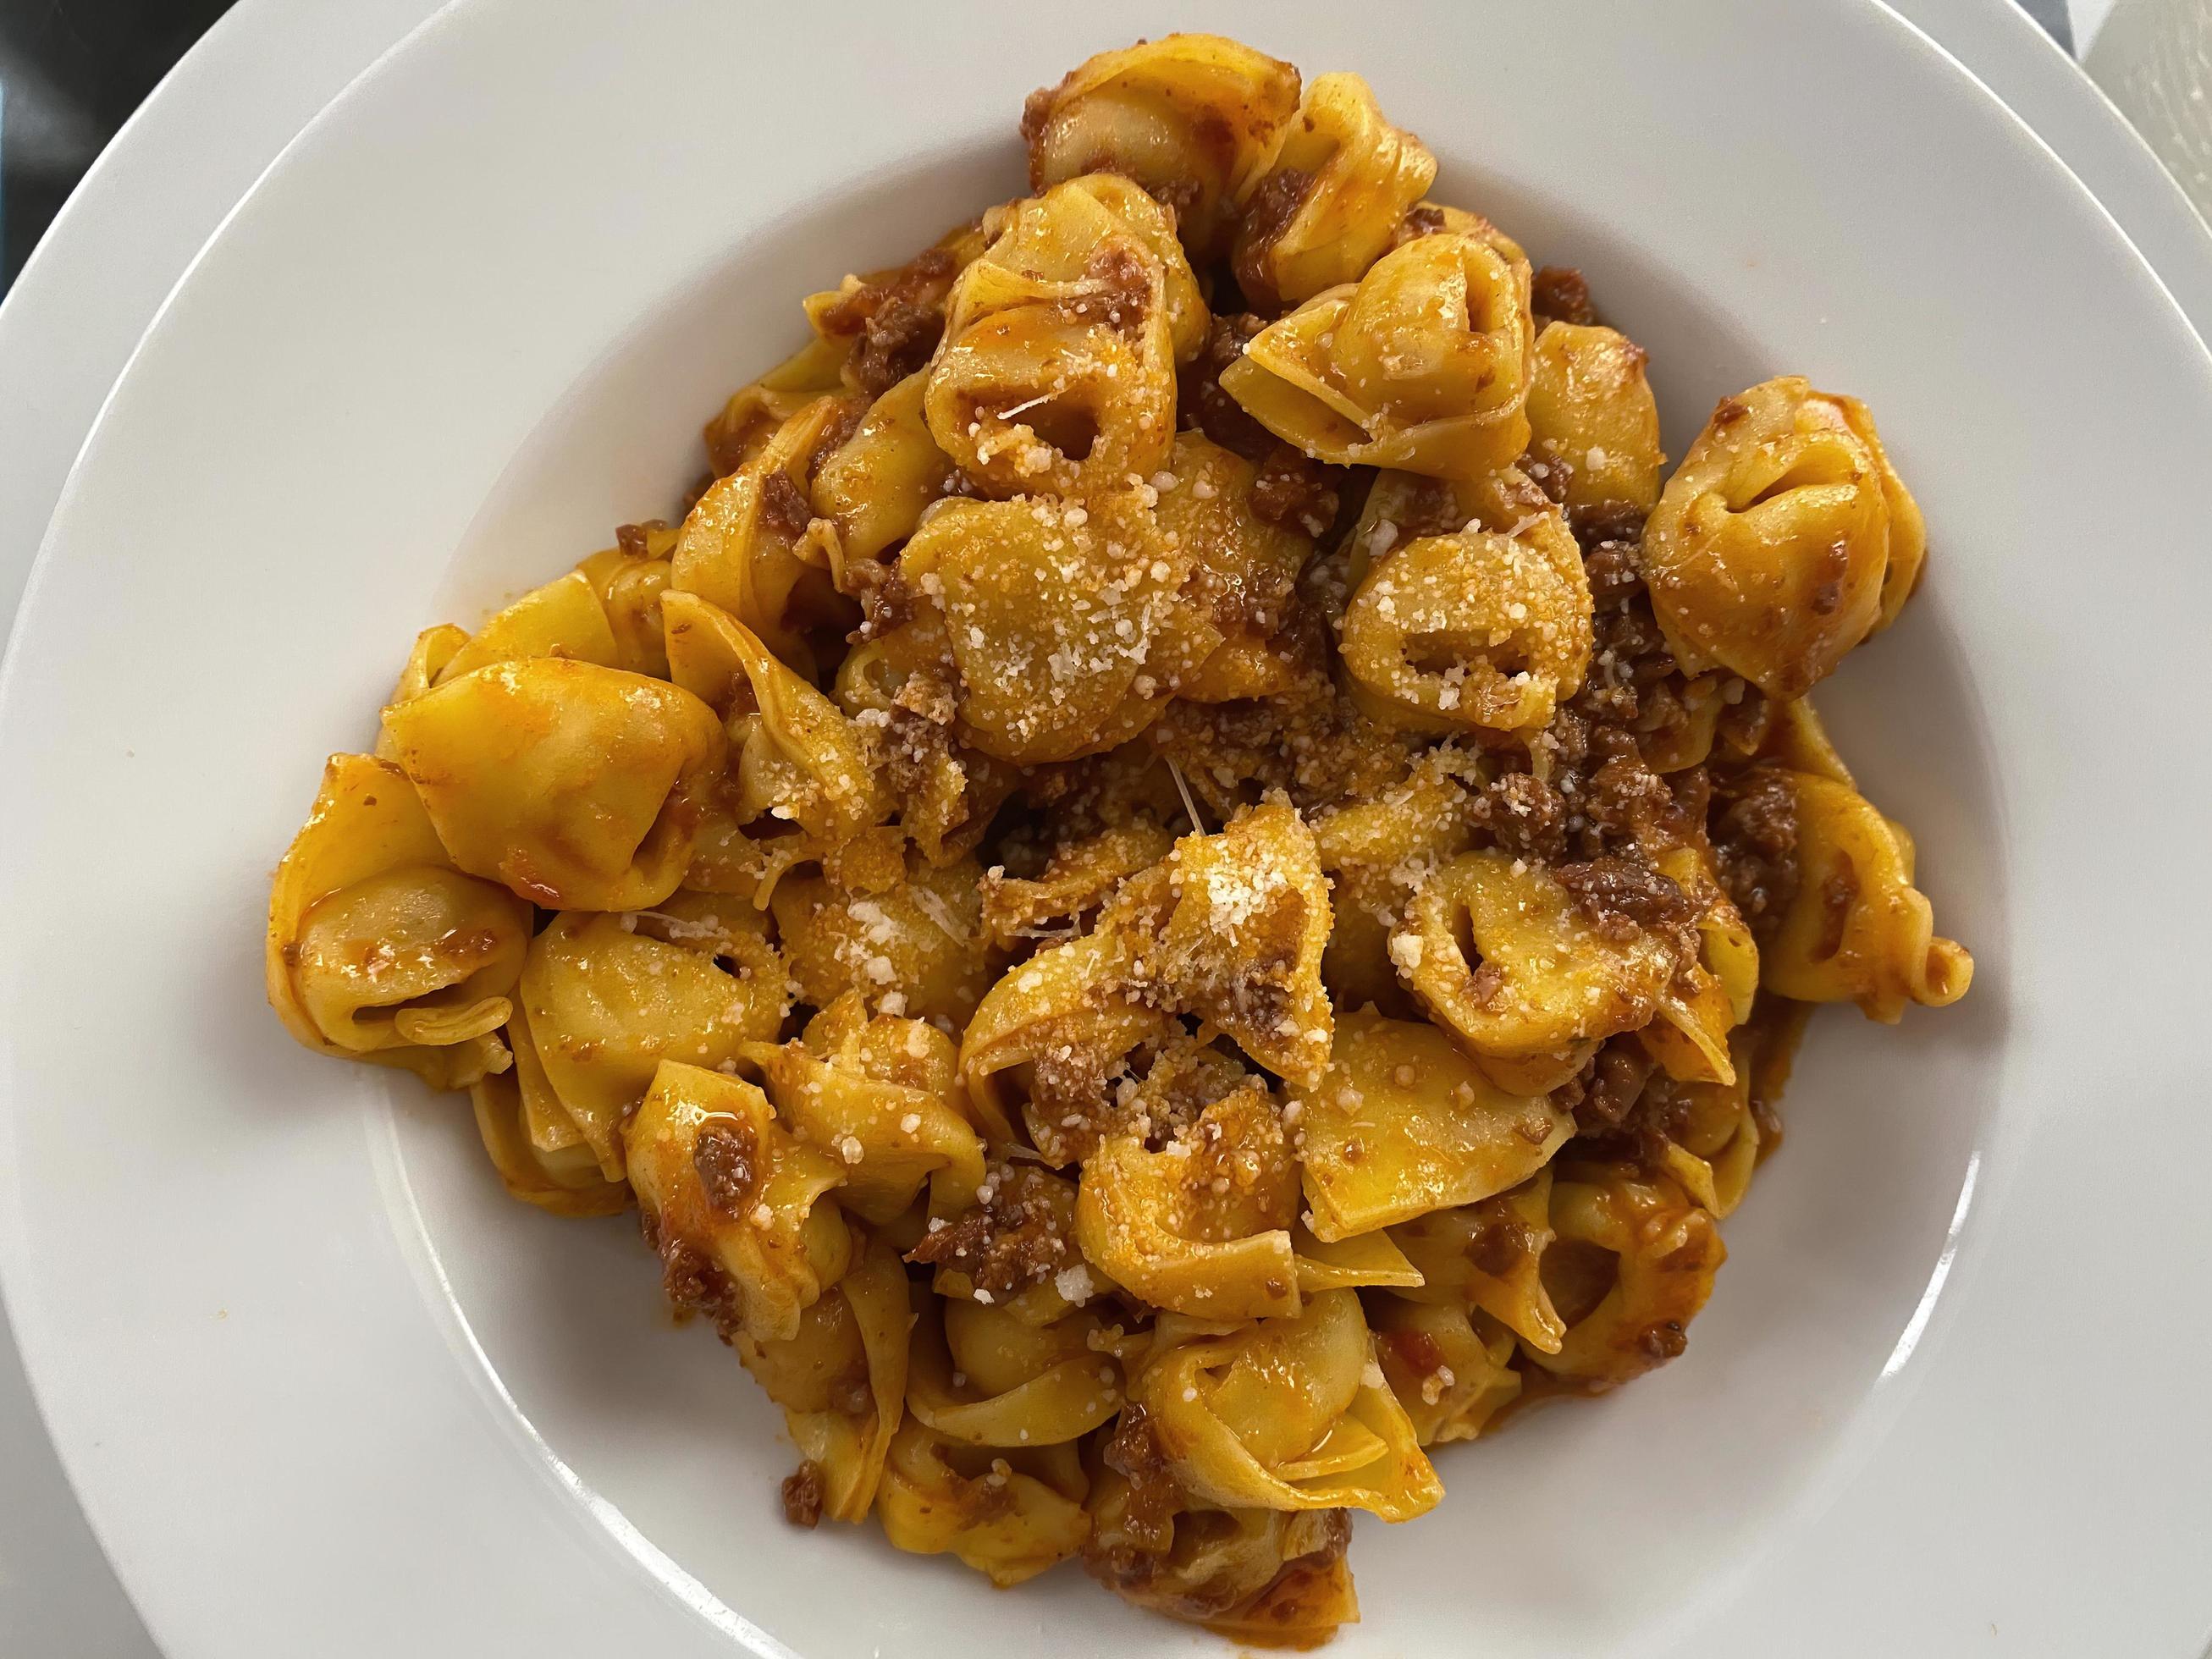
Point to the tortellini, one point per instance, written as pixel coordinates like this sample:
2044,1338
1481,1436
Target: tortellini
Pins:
1472,630
1857,929
1593,423
1405,1123
1180,879
579,786
1245,1573
1375,852
1192,118
1490,1255
1078,877
1244,571
1543,984
605,999
377,948
880,1095
874,487
755,413
1632,1262
1067,624
752,545
1450,1368
734,1202
1332,199
918,943
1424,364
1008,1515
984,1376
1057,369
1783,539
567,618
841,1380
1715,1147
630,578
800,759
1287,1414
537,1151
1246,919
1201,1226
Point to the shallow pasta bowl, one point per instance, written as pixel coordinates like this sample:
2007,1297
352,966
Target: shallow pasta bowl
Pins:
314,1373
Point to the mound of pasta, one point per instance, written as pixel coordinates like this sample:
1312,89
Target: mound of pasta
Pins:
1192,873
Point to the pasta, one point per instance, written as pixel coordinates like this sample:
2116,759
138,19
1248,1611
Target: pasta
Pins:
1191,875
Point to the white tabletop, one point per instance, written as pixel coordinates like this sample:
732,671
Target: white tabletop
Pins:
165,185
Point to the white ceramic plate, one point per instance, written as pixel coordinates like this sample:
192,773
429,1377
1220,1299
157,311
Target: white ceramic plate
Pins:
67,325
313,1375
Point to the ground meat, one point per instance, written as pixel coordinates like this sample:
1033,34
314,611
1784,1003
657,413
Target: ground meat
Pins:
1609,1087
1624,898
913,752
1486,982
1230,752
887,600
1134,1453
1630,665
727,1157
1524,815
1499,1244
693,1284
1558,295
1205,407
1756,843
1422,221
1625,801
803,1495
1609,522
1614,568
784,506
1037,116
895,320
1177,195
1663,1342
1124,286
631,537
1746,722
844,421
1268,214
900,339
1010,1240
1418,1350
1295,490
1180,1081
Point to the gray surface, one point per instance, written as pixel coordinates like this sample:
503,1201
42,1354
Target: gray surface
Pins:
2053,15
57,1596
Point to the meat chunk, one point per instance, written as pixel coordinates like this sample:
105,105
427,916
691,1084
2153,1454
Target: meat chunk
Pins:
1015,1236
1558,295
1206,407
1623,898
803,1495
1524,815
1296,491
1755,841
894,320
